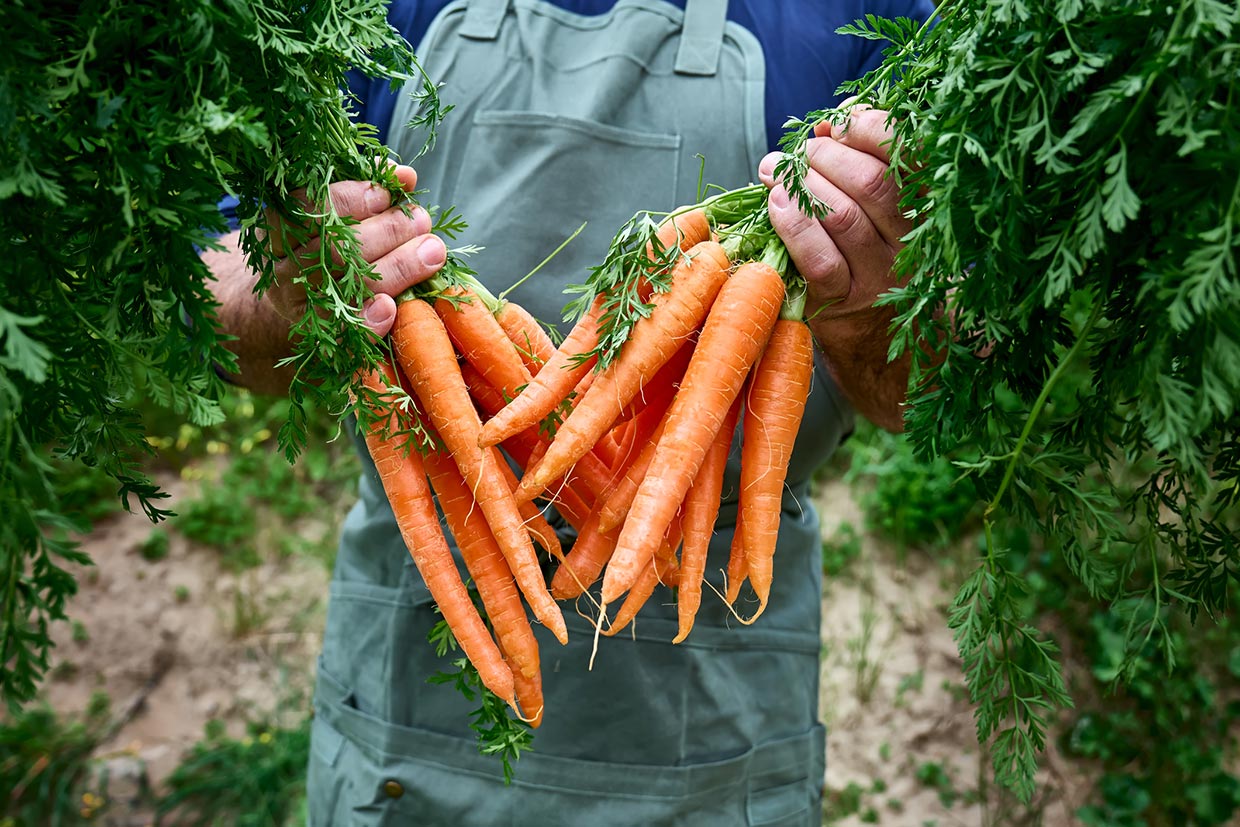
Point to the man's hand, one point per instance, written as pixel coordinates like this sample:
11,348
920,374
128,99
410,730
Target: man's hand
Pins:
847,256
399,246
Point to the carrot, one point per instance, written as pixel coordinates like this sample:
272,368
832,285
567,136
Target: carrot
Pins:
660,389
615,507
552,384
584,562
738,565
564,369
426,354
404,481
486,564
479,338
610,444
527,446
773,410
654,339
701,508
526,335
529,692
667,567
644,587
535,523
731,340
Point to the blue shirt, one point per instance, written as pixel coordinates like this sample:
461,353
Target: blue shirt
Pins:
806,60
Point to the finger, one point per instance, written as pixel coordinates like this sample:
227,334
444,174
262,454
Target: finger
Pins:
407,176
766,168
381,234
811,249
379,313
866,130
412,262
357,199
867,254
376,237
864,179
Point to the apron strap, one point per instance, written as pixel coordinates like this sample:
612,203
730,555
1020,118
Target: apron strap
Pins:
702,37
483,19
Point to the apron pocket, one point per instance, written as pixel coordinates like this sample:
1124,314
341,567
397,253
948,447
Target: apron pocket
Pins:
539,176
388,774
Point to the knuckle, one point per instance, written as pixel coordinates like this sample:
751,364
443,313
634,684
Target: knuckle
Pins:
820,267
874,184
844,219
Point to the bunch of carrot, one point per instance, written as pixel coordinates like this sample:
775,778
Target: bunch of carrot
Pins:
690,328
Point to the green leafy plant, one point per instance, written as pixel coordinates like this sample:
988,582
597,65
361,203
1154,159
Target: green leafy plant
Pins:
498,732
1071,298
155,547
254,781
45,763
1165,736
122,125
910,499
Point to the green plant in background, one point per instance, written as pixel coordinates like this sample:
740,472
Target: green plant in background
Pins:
907,498
250,497
840,551
254,781
156,545
1165,736
45,766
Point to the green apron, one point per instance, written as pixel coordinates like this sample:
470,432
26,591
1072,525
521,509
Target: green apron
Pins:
562,118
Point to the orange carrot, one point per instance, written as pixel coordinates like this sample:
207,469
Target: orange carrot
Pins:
698,523
731,340
564,369
479,338
529,691
535,523
526,335
650,577
585,560
426,354
526,447
659,390
404,481
774,406
654,339
738,565
615,507
486,564
552,384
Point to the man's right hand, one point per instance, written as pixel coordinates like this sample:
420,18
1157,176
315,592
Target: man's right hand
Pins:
399,246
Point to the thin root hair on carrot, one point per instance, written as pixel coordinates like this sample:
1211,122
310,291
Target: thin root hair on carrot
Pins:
598,628
723,596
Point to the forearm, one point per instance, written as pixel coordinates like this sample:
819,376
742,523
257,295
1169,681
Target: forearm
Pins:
261,335
855,347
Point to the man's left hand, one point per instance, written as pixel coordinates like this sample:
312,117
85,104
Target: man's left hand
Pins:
846,256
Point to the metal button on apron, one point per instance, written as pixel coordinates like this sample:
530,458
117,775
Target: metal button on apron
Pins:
393,789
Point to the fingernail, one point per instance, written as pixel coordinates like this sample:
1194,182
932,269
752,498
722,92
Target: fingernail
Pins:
431,252
378,199
766,168
377,314
779,199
